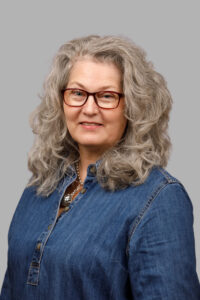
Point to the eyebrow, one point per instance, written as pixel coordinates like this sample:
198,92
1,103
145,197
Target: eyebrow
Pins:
102,88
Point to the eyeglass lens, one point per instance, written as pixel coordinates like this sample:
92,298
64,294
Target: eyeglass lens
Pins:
105,99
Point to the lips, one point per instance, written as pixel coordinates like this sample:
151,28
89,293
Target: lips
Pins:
90,124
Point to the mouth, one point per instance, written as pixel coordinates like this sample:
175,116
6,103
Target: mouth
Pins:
90,125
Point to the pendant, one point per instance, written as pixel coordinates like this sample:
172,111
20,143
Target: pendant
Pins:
66,200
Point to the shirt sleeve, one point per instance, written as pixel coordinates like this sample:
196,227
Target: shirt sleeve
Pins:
162,262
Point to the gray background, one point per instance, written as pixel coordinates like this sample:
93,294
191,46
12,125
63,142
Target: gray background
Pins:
32,31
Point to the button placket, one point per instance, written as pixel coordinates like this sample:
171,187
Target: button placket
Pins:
83,191
49,227
39,246
34,269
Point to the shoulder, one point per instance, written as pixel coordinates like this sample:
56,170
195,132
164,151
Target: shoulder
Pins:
161,182
166,204
159,177
170,197
165,190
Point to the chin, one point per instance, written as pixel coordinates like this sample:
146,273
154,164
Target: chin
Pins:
93,145
90,142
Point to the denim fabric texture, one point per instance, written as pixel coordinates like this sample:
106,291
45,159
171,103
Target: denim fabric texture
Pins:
136,243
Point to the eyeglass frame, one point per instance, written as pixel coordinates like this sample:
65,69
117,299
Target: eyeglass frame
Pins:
94,97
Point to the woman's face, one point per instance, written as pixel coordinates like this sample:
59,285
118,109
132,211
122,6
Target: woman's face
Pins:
92,127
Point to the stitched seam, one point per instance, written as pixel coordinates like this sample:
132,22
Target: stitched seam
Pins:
167,176
142,213
34,284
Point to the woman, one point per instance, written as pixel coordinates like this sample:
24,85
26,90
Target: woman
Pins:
100,217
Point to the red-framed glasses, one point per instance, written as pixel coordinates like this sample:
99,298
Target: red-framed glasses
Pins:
104,99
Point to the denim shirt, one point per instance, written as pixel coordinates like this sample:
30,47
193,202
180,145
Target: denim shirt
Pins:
136,243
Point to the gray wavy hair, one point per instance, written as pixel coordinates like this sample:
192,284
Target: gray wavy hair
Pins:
145,142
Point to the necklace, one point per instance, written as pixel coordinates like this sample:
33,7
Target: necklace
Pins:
67,199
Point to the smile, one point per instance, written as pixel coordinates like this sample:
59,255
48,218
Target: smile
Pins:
90,124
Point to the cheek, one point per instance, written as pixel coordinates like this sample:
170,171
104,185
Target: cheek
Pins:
122,126
66,118
65,112
117,125
70,116
120,119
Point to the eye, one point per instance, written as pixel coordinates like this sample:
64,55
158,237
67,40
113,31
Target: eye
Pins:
106,96
77,93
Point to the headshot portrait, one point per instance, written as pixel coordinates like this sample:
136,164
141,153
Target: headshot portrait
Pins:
101,216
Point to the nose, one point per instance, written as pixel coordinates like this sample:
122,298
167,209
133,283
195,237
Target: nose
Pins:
90,107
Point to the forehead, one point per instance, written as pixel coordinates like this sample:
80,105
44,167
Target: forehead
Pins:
91,72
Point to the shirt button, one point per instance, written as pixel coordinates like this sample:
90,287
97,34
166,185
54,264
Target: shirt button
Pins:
39,246
49,227
93,170
83,191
